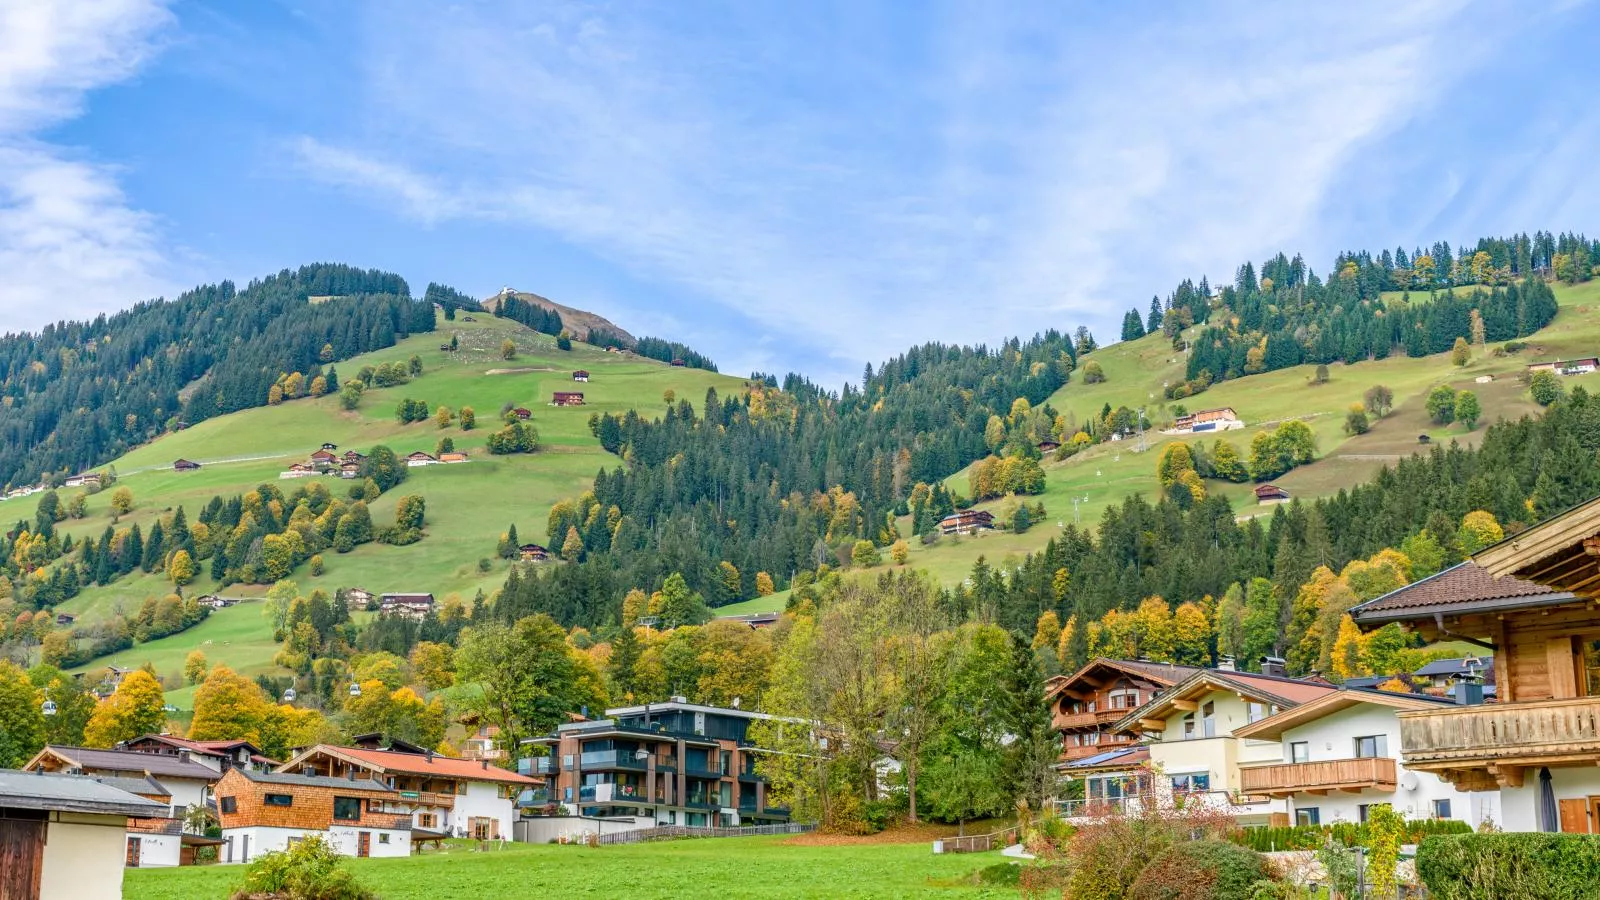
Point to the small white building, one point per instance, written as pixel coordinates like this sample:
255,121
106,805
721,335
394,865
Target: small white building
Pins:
65,836
1340,755
409,606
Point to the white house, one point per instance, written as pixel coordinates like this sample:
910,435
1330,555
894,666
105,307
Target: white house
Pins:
65,836
1340,756
266,811
1194,746
187,782
443,794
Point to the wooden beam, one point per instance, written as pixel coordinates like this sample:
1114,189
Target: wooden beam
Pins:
1153,724
1507,776
1186,705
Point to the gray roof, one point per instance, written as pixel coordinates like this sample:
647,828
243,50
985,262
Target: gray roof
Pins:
147,785
161,765
321,781
71,793
1484,666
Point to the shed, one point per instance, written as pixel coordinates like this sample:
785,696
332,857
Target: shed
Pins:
66,836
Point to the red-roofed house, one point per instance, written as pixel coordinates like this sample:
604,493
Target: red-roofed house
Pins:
470,798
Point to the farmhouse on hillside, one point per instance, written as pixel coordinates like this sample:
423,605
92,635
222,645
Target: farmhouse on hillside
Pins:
1270,493
350,470
453,456
1568,367
580,375
533,553
1049,446
329,445
67,836
325,458
966,521
408,606
83,480
298,470
184,465
419,458
567,398
1222,418
522,413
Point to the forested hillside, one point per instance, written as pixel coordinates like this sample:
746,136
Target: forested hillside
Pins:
80,393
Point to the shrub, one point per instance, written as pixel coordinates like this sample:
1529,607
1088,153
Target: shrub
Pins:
1510,866
1107,854
309,870
1007,874
1200,870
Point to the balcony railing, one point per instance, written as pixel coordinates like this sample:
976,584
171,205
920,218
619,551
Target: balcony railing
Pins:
428,798
702,769
1513,733
1220,801
1377,773
537,797
702,802
537,765
1089,719
612,793
610,759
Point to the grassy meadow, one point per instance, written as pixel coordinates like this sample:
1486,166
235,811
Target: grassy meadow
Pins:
761,868
469,505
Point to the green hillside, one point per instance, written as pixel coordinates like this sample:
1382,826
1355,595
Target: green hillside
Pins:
468,505
1137,372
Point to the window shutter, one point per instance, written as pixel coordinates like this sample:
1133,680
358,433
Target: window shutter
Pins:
1574,816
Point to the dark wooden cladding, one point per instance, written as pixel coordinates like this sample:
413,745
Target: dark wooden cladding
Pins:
21,858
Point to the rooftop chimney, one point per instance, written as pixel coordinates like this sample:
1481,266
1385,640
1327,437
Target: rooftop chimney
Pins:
1274,665
1467,691
429,756
1225,664
484,764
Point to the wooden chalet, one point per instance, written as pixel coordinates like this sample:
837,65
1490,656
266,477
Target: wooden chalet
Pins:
65,620
678,363
580,375
1085,704
453,456
533,553
966,521
83,480
354,456
358,597
1532,601
420,458
184,465
1220,419
350,470
1271,493
262,812
522,413
325,457
567,398
1049,446
409,606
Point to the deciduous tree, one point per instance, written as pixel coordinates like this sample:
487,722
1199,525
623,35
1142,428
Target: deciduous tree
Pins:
133,709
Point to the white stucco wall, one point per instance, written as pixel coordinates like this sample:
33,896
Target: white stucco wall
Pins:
84,857
483,799
1218,756
1520,806
546,829
343,838
1332,737
186,792
158,850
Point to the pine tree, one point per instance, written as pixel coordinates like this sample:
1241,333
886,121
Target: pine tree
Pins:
620,669
1153,323
1035,747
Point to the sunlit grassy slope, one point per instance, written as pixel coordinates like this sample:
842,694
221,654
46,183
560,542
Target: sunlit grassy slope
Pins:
468,505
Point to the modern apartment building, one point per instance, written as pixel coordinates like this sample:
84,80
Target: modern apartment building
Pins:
677,763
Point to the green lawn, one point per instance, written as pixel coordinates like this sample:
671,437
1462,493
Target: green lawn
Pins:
771,603
725,868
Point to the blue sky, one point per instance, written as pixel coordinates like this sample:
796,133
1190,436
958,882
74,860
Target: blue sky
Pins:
783,186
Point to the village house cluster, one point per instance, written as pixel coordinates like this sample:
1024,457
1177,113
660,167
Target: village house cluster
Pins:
328,461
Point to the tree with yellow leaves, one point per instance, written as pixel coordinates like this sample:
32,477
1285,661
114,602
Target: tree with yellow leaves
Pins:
734,661
1478,530
1190,635
900,551
133,709
1154,633
1047,633
228,706
572,547
1349,652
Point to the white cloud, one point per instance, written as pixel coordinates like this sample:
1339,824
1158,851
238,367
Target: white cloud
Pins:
1004,173
70,244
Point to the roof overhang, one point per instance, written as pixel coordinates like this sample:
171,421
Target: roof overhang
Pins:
1272,727
1559,552
1499,604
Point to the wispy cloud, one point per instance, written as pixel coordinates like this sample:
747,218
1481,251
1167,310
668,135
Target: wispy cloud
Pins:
69,240
856,182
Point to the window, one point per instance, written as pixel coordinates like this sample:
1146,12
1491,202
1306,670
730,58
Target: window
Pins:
1188,726
347,808
461,787
1191,784
1255,712
1362,811
1300,751
1441,809
1208,716
425,820
1309,816
1372,746
278,800
228,804
383,837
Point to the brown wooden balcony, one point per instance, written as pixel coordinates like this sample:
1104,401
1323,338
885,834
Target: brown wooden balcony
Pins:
1478,747
1065,721
1374,773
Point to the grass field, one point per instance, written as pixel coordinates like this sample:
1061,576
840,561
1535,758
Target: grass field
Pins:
762,868
468,506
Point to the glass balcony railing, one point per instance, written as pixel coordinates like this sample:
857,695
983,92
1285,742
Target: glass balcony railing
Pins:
610,759
538,765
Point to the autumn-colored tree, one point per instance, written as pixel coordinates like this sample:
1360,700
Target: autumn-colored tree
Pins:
1378,400
1349,652
994,433
728,574
228,706
434,664
1190,633
864,555
900,551
194,667
1461,352
1230,622
1093,373
275,395
1545,386
734,661
1478,530
508,349
636,604
467,419
1175,459
1047,632
181,568
1356,421
764,585
317,566
1154,631
572,547
133,709
443,416
22,726
679,605
121,501
319,386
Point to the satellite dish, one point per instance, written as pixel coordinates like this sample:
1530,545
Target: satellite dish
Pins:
1409,781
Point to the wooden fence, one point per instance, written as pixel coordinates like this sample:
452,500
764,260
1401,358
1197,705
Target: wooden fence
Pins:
980,843
669,832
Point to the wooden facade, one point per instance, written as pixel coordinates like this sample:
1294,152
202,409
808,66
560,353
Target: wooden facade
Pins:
242,802
1085,704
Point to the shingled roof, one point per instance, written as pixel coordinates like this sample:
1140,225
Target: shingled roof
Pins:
158,764
1463,588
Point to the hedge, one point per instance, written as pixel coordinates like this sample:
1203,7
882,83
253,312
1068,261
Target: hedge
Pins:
1311,837
1201,870
1510,866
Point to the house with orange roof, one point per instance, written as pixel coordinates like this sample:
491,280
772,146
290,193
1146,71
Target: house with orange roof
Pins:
442,794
